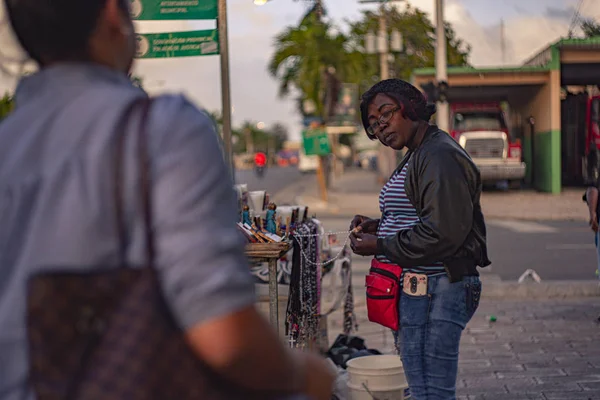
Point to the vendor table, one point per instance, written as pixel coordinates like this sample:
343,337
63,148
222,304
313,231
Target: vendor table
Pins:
269,253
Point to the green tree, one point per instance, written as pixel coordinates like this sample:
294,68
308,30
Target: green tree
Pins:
590,28
261,139
7,104
418,35
255,139
280,134
217,118
304,53
314,56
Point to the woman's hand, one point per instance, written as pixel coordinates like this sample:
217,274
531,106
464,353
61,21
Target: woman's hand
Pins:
363,244
357,220
366,224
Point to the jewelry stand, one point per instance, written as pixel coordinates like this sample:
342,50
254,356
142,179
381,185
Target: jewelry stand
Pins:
269,253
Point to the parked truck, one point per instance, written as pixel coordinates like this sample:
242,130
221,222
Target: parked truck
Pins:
481,129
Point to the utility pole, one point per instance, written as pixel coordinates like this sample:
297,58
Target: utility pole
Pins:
441,64
502,42
225,85
386,157
382,44
249,140
271,151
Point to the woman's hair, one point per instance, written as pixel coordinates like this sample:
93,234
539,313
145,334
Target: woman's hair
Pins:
56,30
416,107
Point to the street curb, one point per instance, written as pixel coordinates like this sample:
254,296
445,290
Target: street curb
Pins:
329,214
531,219
328,210
543,290
512,290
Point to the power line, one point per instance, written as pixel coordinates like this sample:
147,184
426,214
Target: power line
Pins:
575,19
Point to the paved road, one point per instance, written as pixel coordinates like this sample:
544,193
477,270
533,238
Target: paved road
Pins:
555,250
562,250
274,179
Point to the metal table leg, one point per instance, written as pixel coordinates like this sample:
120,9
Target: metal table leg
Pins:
273,294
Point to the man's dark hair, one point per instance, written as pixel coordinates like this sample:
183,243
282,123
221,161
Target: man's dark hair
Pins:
416,107
56,30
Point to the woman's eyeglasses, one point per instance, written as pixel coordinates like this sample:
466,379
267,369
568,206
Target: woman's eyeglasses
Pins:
383,118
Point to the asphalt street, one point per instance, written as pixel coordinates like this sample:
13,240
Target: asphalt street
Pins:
273,180
555,250
558,250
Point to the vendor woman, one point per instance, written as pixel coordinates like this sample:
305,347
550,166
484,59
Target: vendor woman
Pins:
431,229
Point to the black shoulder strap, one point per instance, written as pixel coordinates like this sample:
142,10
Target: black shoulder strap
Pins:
144,181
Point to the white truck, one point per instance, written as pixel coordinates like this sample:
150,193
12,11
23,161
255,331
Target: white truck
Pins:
481,130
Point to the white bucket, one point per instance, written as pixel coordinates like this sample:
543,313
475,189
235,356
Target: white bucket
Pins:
379,377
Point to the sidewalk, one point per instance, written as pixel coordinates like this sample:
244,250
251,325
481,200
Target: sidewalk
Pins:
357,191
545,350
545,343
538,348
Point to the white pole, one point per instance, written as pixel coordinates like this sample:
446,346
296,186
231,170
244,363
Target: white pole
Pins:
441,60
382,45
387,156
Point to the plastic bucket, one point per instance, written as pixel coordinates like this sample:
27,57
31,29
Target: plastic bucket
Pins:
379,377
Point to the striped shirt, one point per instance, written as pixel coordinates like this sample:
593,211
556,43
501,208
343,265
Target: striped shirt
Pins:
397,213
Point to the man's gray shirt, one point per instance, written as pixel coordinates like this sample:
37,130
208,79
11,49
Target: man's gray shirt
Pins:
57,210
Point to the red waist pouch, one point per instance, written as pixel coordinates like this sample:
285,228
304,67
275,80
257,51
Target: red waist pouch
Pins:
383,294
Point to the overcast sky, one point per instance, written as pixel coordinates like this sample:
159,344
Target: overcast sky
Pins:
529,25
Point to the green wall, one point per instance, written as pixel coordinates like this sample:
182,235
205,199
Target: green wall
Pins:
547,161
527,156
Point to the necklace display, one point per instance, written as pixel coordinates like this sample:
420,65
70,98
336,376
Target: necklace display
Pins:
304,303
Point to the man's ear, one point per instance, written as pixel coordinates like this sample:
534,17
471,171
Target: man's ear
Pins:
116,18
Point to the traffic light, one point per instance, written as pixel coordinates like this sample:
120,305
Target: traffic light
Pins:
435,93
431,91
442,91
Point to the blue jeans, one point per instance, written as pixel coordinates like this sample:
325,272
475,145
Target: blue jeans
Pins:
597,240
429,335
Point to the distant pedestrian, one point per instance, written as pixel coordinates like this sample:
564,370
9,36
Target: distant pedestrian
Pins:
431,237
260,159
591,198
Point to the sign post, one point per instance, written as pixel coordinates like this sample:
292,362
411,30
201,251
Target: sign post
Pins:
168,10
345,113
189,44
225,85
177,44
316,143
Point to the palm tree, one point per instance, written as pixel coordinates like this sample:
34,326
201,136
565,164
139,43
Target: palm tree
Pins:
317,7
419,44
590,28
304,53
